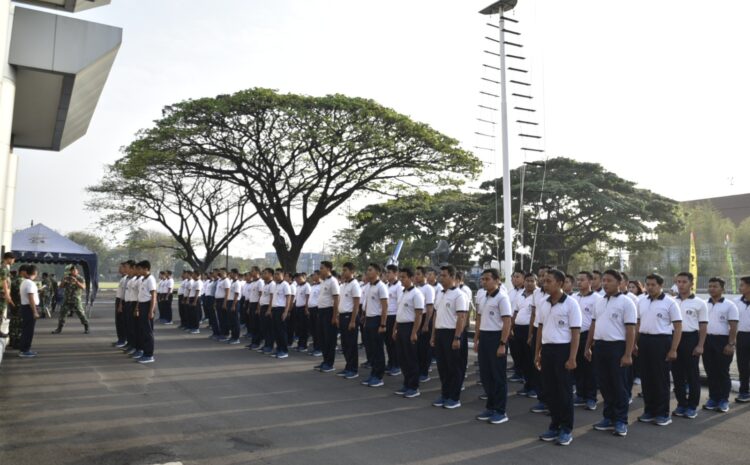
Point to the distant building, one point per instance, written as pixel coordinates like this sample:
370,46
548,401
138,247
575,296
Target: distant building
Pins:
308,262
734,207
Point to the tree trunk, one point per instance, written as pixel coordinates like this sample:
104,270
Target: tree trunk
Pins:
288,256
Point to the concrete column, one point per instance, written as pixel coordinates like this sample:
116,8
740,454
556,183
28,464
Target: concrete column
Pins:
8,159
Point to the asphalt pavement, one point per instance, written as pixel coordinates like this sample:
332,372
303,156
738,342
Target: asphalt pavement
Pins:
83,402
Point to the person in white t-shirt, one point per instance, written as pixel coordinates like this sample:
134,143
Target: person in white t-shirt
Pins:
29,309
234,306
491,344
376,314
281,305
301,317
516,288
743,340
222,293
558,336
395,289
328,299
424,350
584,373
183,294
120,328
129,306
347,313
266,322
311,310
523,318
253,308
448,336
168,288
145,313
406,333
721,341
194,303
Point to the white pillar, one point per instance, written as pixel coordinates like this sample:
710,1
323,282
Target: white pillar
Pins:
8,159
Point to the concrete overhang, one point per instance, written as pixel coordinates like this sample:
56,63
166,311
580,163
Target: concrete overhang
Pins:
71,6
61,66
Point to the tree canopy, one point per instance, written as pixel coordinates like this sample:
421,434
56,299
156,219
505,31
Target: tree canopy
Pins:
298,158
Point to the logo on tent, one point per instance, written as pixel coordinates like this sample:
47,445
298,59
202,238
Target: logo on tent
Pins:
38,239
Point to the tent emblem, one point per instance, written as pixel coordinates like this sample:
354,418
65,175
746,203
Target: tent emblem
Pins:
37,239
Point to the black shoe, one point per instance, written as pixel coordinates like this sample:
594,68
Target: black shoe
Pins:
86,329
57,331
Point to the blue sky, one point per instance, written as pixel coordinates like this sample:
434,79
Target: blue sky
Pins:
658,95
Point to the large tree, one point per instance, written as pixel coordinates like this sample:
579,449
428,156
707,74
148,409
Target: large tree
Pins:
201,214
299,158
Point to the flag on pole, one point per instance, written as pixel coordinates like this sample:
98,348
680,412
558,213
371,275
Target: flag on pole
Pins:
693,261
730,264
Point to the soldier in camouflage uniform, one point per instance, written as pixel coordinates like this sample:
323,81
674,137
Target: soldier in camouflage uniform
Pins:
5,297
53,292
16,324
73,286
45,295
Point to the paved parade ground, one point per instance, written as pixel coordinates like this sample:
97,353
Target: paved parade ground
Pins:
202,402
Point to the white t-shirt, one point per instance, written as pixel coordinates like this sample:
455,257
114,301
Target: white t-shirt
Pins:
148,284
256,289
349,291
121,287
612,315
539,297
410,303
29,287
448,304
479,297
493,307
168,285
438,288
558,320
743,306
209,288
328,288
314,294
374,295
513,295
657,315
160,286
281,292
394,294
587,303
429,294
269,289
467,291
131,291
694,311
719,316
197,289
235,292
523,308
220,291
301,295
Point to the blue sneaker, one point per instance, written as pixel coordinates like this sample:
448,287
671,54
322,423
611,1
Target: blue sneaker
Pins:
120,345
326,368
742,398
541,407
131,351
605,425
579,402
317,353
144,360
254,346
516,379
549,435
452,404
267,351
342,373
424,379
366,382
691,413
724,406
401,391
482,396
486,415
522,393
376,382
565,438
27,354
498,418
412,393
531,394
663,421
352,375
137,355
282,355
591,405
394,372
679,411
439,402
710,405
621,429
646,418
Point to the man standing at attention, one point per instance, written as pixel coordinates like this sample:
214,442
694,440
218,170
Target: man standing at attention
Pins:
73,286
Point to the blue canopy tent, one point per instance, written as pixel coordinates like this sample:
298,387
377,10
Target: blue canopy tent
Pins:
40,244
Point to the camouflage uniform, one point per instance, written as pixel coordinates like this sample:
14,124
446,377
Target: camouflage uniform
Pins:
72,302
53,294
15,312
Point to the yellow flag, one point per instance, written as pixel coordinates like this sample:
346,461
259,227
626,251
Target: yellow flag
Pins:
693,261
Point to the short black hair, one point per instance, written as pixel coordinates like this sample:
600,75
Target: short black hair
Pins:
349,266
460,275
688,275
587,273
529,275
145,264
375,266
719,280
327,264
255,269
597,273
421,269
492,272
570,277
268,270
8,255
557,274
30,269
544,267
656,277
450,269
625,276
407,270
392,268
746,280
615,274
234,270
